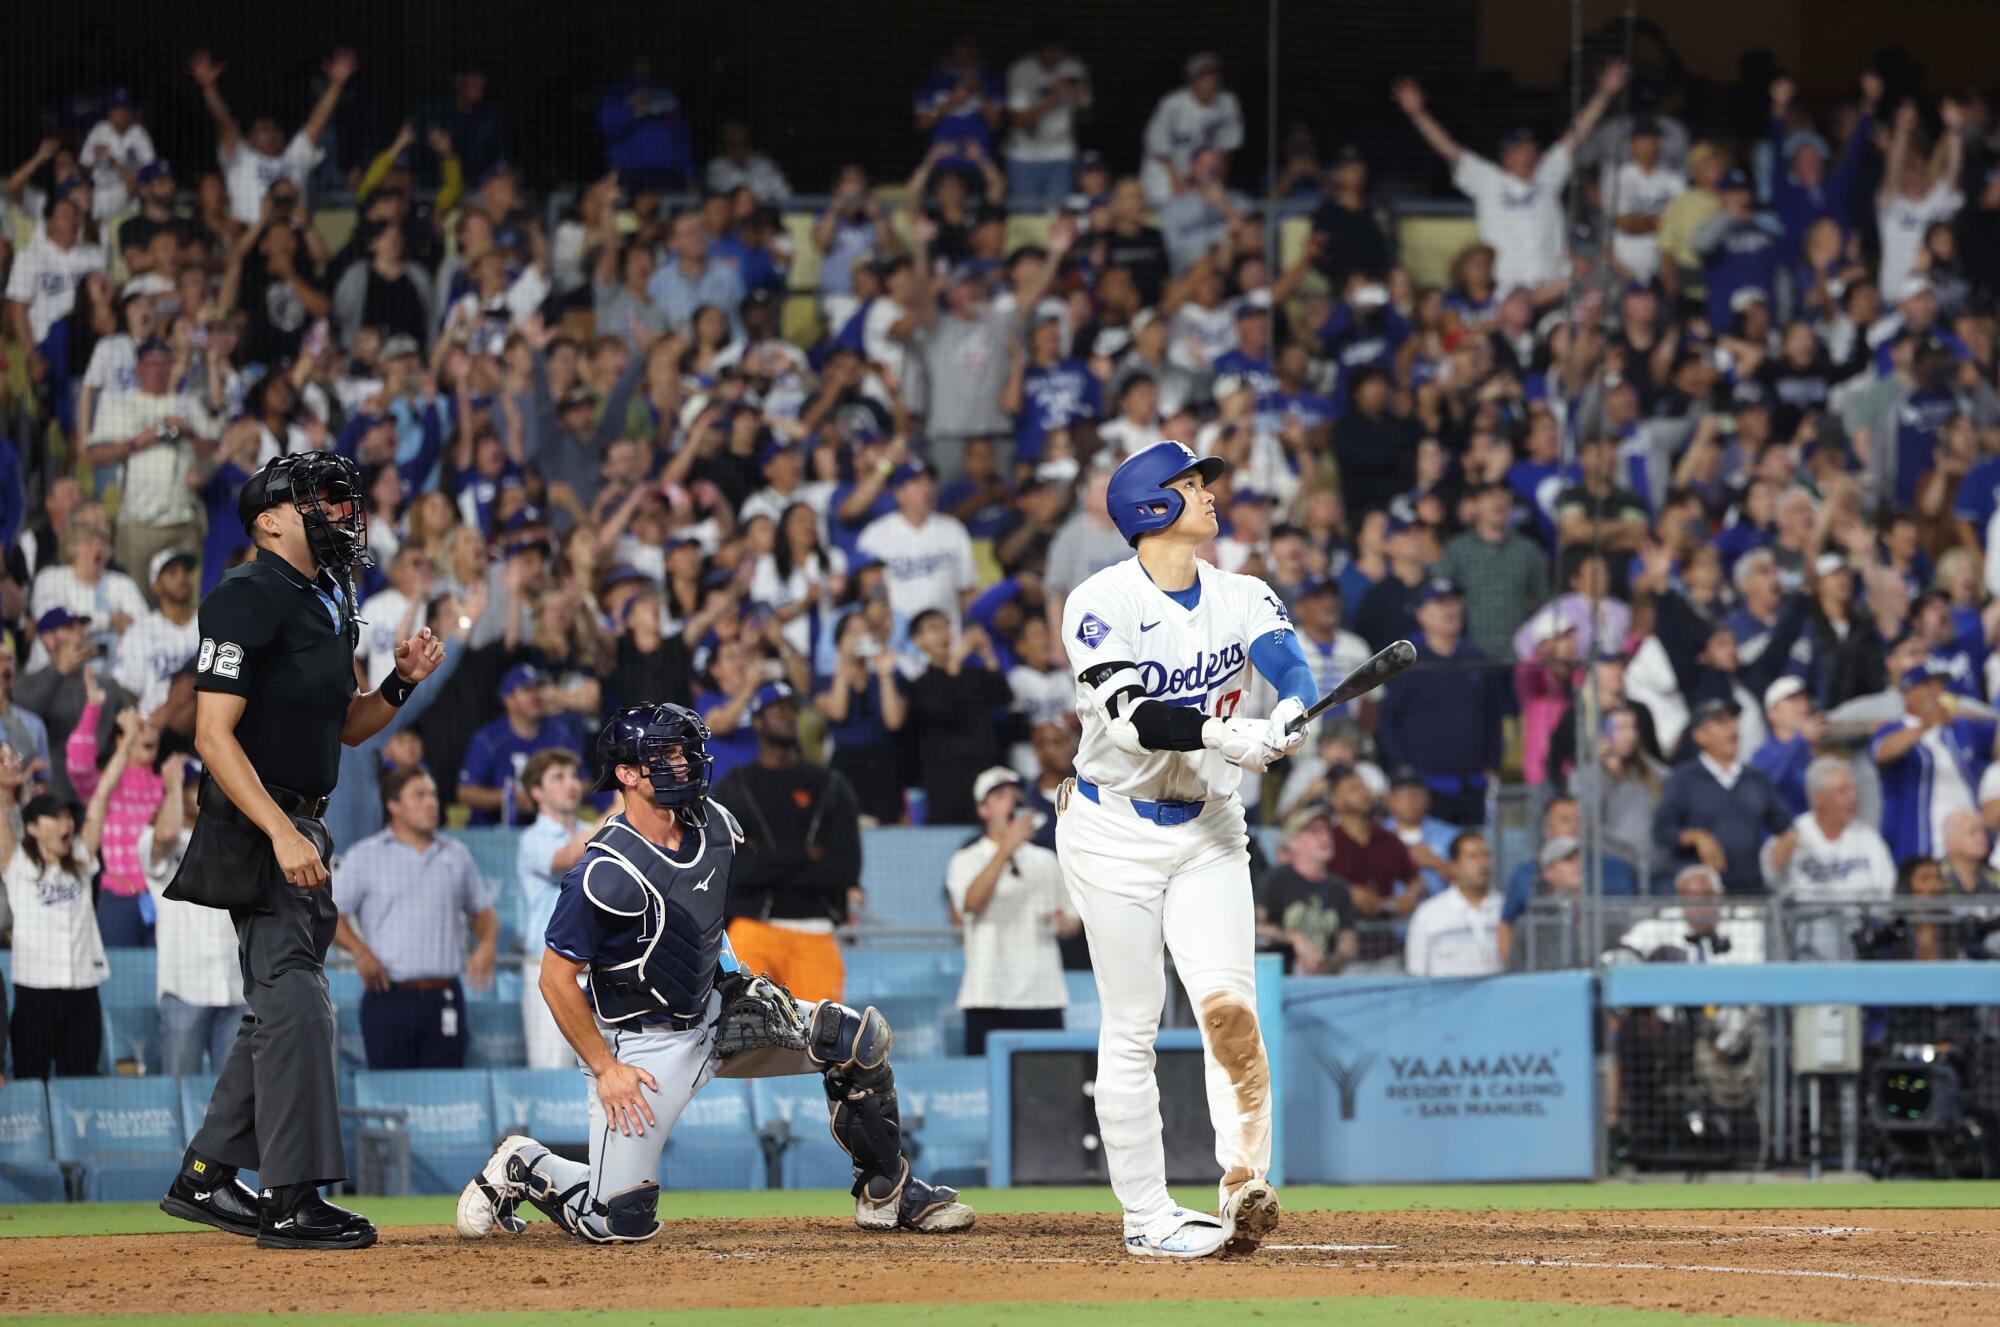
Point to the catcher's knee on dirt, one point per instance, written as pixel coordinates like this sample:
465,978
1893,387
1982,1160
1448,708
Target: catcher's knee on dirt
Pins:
852,1051
626,1217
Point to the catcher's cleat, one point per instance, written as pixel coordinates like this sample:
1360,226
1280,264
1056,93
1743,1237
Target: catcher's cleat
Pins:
489,1200
1252,1214
1178,1233
910,1204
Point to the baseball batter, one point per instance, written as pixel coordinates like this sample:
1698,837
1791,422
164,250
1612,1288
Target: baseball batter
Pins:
640,919
1152,838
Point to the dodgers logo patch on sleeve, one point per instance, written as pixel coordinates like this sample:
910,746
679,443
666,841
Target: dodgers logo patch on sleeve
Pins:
1092,631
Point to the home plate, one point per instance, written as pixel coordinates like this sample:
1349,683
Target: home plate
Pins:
1331,1248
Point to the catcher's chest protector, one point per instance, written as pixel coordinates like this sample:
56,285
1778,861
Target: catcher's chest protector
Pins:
665,917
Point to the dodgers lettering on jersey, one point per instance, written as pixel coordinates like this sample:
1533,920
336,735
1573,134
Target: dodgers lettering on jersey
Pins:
1197,657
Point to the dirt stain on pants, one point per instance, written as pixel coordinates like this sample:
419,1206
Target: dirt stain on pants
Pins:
1237,1044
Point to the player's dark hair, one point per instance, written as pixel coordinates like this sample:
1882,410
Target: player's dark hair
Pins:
1463,837
541,763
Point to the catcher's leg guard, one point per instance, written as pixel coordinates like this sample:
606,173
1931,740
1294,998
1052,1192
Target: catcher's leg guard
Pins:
853,1053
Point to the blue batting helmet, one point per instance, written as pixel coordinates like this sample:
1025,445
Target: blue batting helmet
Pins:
1139,497
641,736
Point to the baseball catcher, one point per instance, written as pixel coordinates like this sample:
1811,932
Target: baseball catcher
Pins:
644,987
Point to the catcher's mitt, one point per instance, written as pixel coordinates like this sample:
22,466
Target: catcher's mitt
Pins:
757,1012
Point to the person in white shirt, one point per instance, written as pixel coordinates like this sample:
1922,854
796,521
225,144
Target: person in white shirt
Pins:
114,150
1009,896
1048,91
154,434
926,556
1698,931
253,162
114,360
799,577
1457,933
162,642
1044,690
1912,197
548,848
85,586
57,1026
1519,201
739,166
42,286
199,982
1640,190
394,614
1202,114
1832,859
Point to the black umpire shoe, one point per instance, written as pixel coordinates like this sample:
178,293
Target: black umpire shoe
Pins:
229,1205
313,1223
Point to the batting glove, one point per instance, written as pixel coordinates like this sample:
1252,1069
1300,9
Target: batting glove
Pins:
1250,743
1281,718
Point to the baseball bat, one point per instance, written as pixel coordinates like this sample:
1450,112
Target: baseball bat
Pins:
1385,665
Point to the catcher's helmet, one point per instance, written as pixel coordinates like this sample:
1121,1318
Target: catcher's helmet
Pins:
1138,498
641,736
308,482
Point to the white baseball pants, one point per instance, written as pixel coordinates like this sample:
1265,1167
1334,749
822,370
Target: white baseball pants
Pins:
1143,890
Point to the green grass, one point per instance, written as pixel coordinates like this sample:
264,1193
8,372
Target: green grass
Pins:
146,1219
1348,1311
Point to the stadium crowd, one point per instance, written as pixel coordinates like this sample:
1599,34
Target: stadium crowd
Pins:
1688,508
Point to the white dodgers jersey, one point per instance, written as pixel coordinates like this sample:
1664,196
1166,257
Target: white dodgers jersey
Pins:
1198,657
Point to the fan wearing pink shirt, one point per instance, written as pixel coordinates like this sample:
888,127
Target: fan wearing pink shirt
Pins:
124,908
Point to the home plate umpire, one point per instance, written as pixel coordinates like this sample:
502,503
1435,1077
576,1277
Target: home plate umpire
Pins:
275,699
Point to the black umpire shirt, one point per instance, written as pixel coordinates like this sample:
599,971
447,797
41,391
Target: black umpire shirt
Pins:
286,645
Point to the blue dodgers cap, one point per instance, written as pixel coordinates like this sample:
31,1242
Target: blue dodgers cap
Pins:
909,470
1317,585
622,574
1438,587
768,695
1803,139
520,675
1932,669
773,448
64,187
524,518
117,97
155,169
1515,137
56,619
1734,179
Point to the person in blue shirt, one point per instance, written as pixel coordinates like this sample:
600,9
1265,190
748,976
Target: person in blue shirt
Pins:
981,498
1797,729
1930,762
1290,397
959,103
1562,840
1738,251
1921,417
1251,357
489,777
1802,190
645,136
1050,392
1363,331
1444,716
733,678
1755,621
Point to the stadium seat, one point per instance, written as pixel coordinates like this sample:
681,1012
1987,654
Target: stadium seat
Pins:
132,1036
791,1114
921,1024
548,1105
29,1171
195,1090
124,1132
133,979
450,1119
944,1107
877,974
353,1054
903,872
714,1145
1082,1014
497,1039
344,985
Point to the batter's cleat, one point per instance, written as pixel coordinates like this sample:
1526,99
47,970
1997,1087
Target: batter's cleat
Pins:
228,1205
1252,1214
314,1223
1178,1233
489,1200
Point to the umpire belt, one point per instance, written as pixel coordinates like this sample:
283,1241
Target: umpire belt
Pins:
216,802
1160,813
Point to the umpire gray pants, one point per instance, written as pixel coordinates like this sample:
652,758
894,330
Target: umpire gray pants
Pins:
276,1105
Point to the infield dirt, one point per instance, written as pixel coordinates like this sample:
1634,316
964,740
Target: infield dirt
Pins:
1840,1266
